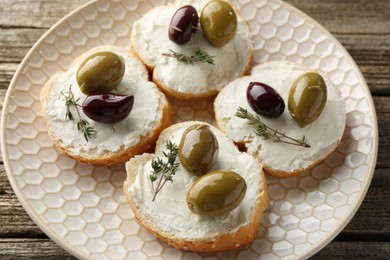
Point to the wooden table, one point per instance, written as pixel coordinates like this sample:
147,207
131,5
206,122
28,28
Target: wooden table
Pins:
362,26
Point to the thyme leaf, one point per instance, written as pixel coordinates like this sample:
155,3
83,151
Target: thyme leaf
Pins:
199,56
164,168
266,132
82,124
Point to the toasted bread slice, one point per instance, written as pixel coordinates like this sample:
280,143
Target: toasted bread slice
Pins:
189,80
112,143
280,159
169,218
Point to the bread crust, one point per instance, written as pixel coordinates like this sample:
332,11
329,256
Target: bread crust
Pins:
228,241
123,154
180,95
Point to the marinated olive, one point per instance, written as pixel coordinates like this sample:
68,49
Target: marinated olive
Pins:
183,24
108,107
198,149
216,193
100,72
307,98
264,100
219,22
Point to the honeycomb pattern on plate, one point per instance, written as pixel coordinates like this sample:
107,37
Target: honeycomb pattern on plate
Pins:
83,208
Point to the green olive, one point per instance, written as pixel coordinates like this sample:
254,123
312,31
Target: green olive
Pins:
307,98
100,72
219,22
216,193
198,149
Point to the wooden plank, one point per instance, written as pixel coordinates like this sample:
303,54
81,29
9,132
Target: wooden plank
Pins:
371,52
354,250
13,218
377,78
382,106
7,71
35,13
15,43
348,16
373,218
31,248
27,248
367,49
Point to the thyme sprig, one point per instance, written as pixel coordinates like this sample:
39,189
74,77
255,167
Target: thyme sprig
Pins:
164,169
199,56
82,124
267,132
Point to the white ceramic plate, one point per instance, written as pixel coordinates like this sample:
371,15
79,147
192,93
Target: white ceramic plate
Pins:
82,207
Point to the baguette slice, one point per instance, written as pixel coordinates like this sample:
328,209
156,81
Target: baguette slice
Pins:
113,143
185,80
169,218
280,159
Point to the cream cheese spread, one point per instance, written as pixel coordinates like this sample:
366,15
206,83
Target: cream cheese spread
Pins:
323,134
150,40
145,114
170,213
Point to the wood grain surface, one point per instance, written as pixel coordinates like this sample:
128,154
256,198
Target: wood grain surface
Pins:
362,26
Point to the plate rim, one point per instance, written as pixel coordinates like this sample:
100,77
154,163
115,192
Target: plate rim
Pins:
15,187
79,254
371,169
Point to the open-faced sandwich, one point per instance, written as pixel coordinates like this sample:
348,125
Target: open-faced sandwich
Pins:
198,191
285,115
103,110
193,48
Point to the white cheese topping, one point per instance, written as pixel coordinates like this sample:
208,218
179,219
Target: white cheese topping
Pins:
150,39
145,114
323,134
170,213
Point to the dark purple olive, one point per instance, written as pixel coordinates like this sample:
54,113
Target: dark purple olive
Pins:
264,100
108,108
183,24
